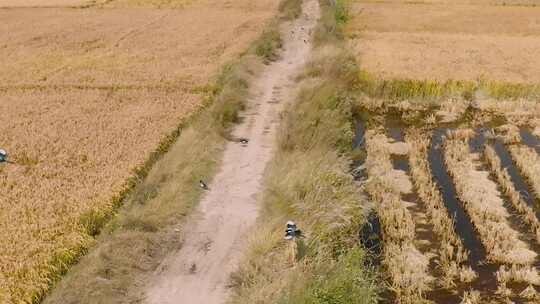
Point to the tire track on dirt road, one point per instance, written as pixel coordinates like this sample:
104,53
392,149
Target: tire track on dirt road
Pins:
215,236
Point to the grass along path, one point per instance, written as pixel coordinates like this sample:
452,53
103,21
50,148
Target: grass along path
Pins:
308,181
215,235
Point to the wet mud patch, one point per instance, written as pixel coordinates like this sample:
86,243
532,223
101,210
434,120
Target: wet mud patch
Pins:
358,154
529,139
426,241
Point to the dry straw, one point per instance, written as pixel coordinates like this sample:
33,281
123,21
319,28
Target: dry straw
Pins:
503,178
452,254
528,163
485,207
407,267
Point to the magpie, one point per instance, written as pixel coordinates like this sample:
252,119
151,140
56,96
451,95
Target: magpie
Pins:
292,231
3,156
244,141
203,185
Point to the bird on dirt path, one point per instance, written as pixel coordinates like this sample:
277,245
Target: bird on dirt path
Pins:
244,141
203,185
3,156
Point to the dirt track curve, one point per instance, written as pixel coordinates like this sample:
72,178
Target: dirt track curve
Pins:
215,235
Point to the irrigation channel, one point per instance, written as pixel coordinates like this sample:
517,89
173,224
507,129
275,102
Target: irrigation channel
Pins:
517,180
427,241
529,139
486,281
370,232
477,144
464,228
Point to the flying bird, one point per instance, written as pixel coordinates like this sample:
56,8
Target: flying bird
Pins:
244,141
203,185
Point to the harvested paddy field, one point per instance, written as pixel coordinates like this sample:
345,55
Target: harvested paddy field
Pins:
86,96
440,82
442,41
459,218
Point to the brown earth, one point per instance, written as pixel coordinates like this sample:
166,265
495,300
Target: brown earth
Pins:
86,94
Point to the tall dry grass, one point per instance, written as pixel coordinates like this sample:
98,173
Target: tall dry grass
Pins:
407,267
503,178
308,181
520,112
452,255
485,207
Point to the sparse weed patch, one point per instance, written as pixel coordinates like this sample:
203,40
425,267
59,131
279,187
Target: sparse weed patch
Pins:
266,46
290,9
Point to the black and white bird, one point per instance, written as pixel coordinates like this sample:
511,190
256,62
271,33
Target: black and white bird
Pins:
203,185
292,231
3,156
244,141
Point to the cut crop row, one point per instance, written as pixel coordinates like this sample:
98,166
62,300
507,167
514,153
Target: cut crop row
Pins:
528,162
452,254
407,267
485,207
515,197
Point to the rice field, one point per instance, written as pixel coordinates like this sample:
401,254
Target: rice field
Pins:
454,226
87,94
41,3
447,40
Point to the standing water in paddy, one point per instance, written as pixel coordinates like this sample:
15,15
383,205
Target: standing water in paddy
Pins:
464,228
529,139
519,183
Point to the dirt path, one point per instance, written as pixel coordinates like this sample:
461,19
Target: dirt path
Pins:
215,235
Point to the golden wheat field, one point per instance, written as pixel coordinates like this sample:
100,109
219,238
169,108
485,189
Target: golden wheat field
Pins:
443,40
86,95
40,3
